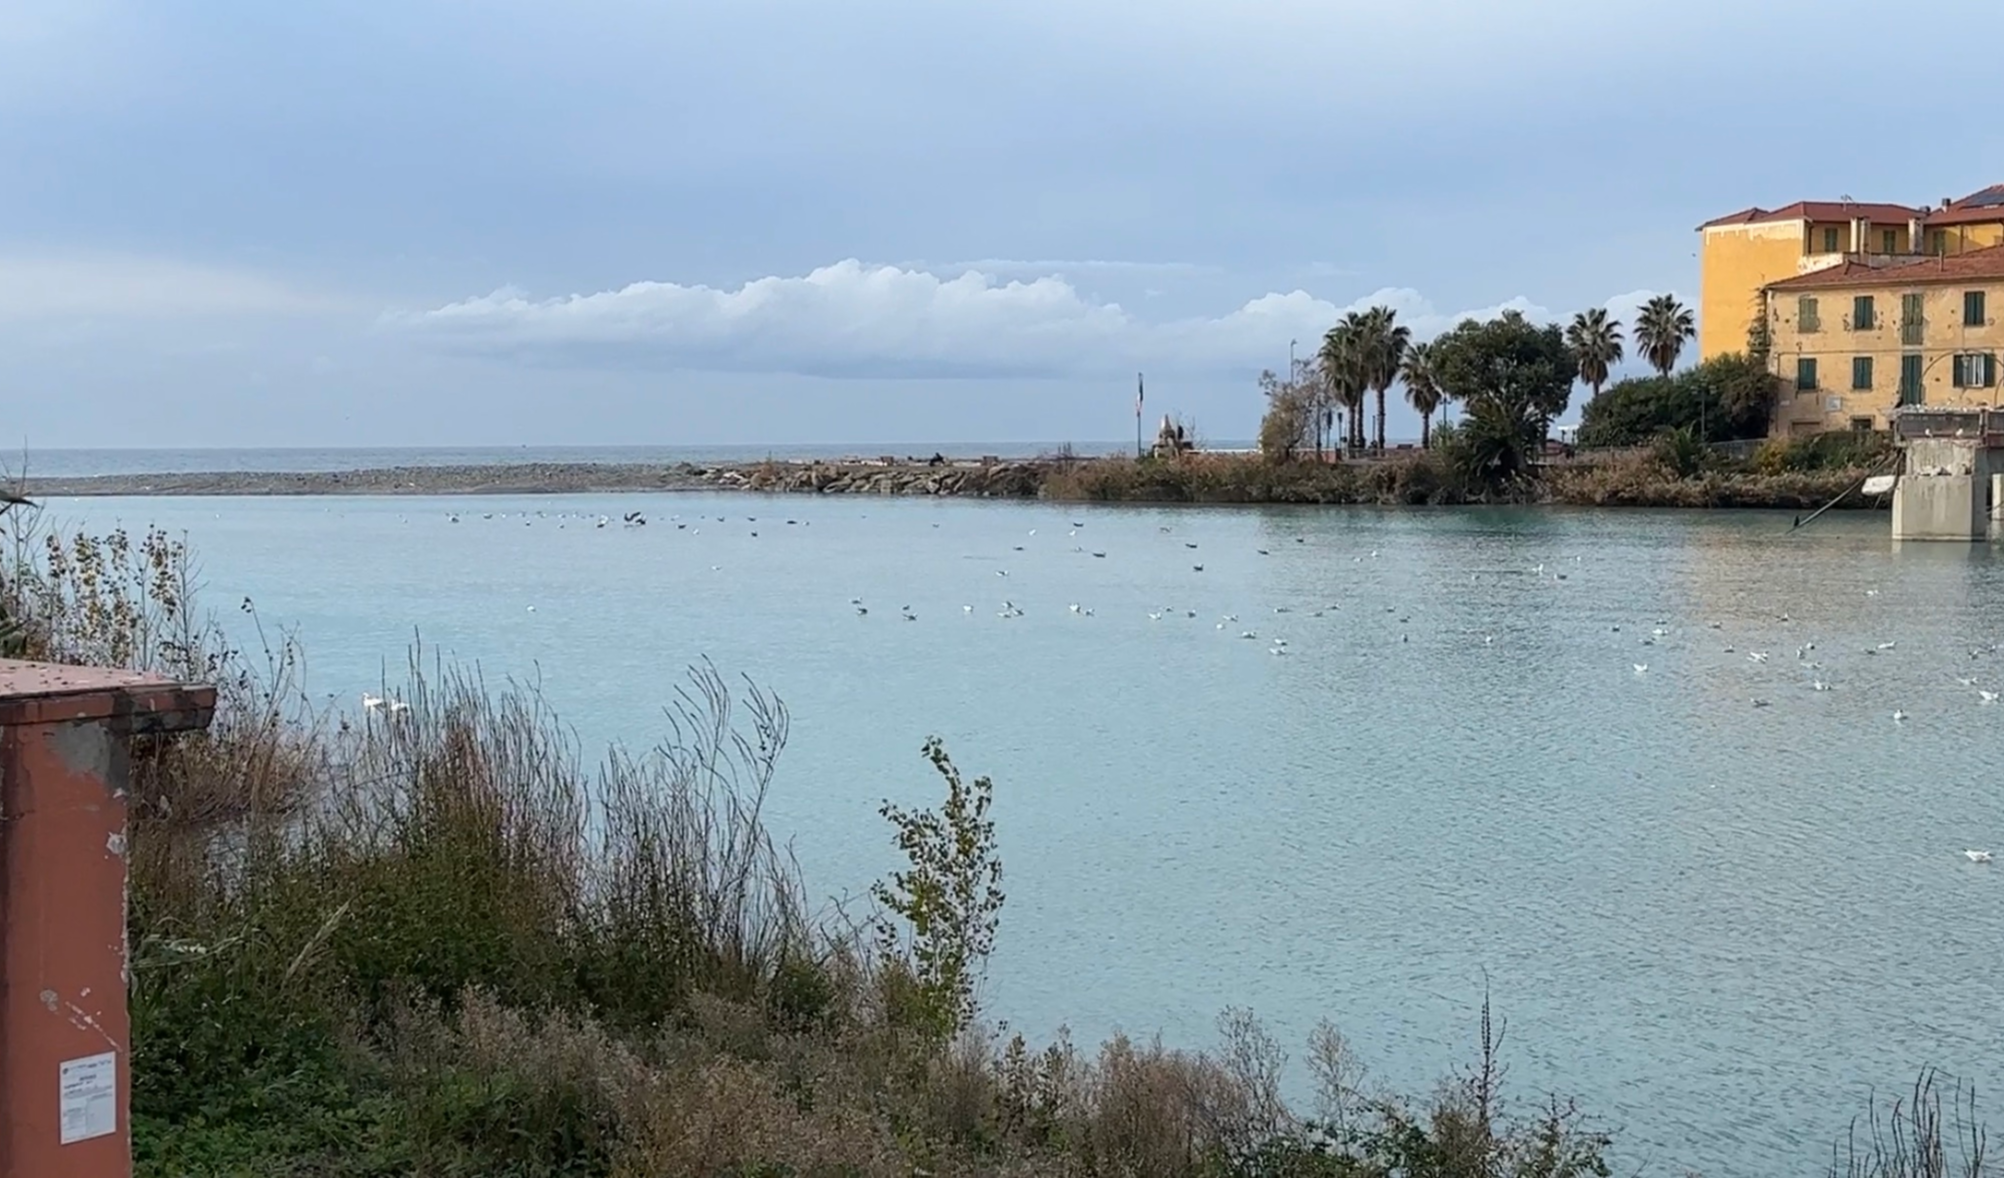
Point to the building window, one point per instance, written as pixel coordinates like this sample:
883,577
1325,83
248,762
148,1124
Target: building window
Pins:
1911,318
1861,372
1975,370
1862,425
1805,372
1806,318
1972,309
1830,240
1864,316
1911,392
1889,241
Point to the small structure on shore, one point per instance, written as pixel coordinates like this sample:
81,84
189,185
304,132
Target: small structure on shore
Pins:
1171,441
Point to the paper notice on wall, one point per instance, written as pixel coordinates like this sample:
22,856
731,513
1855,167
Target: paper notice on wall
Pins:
89,1097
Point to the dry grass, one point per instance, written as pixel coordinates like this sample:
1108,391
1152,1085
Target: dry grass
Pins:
1419,478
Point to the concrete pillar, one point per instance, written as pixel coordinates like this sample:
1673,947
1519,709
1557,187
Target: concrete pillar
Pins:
1943,491
65,1080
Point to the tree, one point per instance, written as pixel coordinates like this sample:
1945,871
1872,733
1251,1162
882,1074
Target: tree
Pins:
1726,397
1422,388
1509,360
1381,355
1293,415
1512,377
1595,339
1661,328
1342,363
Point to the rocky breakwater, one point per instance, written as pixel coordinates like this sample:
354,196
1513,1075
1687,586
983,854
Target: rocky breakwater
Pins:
999,480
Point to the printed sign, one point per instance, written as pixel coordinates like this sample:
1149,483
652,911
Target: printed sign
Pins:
89,1097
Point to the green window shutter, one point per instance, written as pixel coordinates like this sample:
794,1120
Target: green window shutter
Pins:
1989,369
1830,241
1861,313
1911,392
1972,309
1912,313
1806,317
1861,372
1805,373
1889,241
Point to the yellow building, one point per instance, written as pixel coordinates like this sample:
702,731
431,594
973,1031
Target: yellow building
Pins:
1975,222
1741,254
1853,341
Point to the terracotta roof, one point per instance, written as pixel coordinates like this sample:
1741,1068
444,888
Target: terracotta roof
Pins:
1816,211
1985,204
1917,270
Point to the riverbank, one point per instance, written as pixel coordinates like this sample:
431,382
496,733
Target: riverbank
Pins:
1417,479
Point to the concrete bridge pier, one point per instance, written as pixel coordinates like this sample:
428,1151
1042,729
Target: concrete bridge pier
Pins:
1952,473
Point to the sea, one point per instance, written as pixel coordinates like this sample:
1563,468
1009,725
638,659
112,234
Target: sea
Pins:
1686,794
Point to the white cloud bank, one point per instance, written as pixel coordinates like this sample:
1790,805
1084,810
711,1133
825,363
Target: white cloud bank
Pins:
853,320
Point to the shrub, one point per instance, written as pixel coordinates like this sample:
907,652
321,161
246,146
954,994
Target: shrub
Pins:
1724,398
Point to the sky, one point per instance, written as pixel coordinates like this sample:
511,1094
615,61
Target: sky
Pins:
449,222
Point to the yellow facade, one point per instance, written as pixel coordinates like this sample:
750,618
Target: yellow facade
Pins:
1824,354
1957,239
1735,262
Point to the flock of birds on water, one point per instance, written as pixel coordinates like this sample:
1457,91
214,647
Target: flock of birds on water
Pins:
1806,656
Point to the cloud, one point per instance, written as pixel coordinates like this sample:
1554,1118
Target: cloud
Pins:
113,286
853,320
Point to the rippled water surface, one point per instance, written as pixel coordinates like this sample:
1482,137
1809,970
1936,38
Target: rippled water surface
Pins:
1717,923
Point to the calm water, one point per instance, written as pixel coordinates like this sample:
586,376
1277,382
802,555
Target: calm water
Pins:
1716,923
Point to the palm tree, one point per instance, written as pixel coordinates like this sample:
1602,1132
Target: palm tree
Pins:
1595,340
1384,352
1342,362
1661,328
1422,388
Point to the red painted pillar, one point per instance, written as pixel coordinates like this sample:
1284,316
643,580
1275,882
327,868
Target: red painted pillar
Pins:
65,1084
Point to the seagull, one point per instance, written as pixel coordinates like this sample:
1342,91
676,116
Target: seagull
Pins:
861,611
1001,573
1189,544
1640,668
1075,607
1988,696
1885,646
371,703
398,706
1248,635
1820,686
1198,568
1760,703
1261,552
1898,716
1757,656
967,609
1099,554
1976,857
1155,616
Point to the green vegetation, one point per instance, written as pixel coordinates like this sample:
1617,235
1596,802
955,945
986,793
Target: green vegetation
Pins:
1725,398
1661,328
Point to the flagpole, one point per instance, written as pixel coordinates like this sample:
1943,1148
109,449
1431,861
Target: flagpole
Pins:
1139,394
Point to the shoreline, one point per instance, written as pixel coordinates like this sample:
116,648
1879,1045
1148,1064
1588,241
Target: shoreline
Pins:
1213,479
